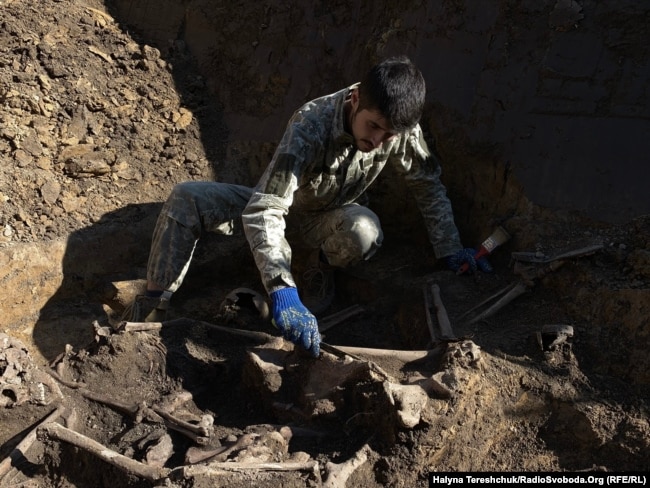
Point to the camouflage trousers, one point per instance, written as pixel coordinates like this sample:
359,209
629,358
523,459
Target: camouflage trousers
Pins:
346,235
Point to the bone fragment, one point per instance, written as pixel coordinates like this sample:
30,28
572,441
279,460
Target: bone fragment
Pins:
410,400
101,331
441,313
405,356
50,383
220,454
347,352
293,430
197,433
58,377
194,455
556,334
24,445
54,431
141,326
128,408
149,438
152,326
70,418
171,402
436,385
519,289
216,469
299,457
338,474
61,356
159,452
528,276
202,429
197,438
206,423
12,395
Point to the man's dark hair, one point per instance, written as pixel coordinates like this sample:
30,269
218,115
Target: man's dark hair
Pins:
395,87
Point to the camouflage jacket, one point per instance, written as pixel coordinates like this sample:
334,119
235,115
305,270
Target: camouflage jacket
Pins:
317,167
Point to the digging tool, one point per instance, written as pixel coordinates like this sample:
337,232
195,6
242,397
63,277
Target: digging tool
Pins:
497,238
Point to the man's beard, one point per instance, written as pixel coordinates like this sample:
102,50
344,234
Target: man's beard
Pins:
362,145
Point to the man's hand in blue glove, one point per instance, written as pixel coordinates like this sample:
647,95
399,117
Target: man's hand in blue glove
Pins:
296,323
466,256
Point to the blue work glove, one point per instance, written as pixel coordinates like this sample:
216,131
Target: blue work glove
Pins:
466,256
292,318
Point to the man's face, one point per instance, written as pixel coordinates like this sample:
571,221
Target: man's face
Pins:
369,127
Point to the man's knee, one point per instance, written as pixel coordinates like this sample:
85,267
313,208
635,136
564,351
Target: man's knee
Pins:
367,232
357,239
186,191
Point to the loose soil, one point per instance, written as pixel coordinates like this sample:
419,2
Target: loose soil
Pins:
95,131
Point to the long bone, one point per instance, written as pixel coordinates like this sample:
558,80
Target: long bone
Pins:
54,431
539,266
198,433
262,337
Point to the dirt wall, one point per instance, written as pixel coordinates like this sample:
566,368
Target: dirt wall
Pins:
546,97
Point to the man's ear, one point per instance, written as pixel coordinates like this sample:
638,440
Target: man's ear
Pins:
354,99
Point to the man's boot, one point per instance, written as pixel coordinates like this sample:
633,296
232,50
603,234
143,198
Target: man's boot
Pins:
147,309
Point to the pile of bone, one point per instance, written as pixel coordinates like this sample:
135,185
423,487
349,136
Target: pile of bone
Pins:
20,380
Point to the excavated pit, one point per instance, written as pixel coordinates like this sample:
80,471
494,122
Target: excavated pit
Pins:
278,417
272,414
